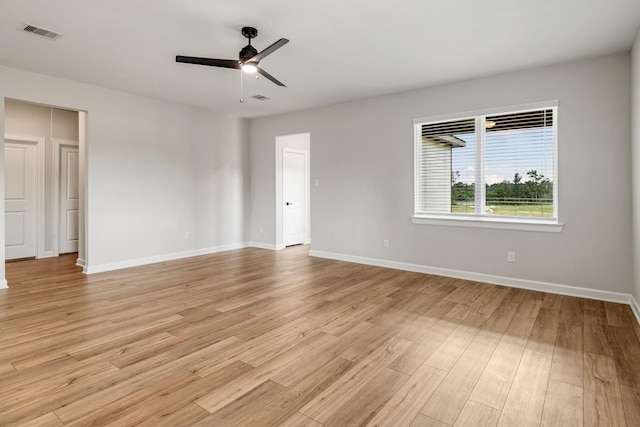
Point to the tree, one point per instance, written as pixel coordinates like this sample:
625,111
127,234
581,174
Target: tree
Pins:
536,179
516,183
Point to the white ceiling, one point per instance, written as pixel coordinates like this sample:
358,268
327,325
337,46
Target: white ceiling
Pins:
338,51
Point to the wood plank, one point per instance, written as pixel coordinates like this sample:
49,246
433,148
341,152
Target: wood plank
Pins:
406,403
567,356
46,420
572,311
602,399
420,351
525,316
451,396
253,401
596,335
563,405
176,406
446,355
327,403
477,415
299,420
544,332
229,392
495,381
362,407
631,404
283,406
626,353
525,401
424,421
617,314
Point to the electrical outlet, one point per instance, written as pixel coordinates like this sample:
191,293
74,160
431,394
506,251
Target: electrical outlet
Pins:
261,230
187,235
385,243
511,256
316,182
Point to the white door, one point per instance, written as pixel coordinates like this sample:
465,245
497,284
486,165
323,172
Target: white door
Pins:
293,195
20,199
69,200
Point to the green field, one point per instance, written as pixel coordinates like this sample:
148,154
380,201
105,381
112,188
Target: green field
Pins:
541,210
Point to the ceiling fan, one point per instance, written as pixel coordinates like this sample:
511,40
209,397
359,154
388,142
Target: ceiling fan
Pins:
249,57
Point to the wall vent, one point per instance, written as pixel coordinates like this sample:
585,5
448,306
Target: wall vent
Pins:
260,97
48,34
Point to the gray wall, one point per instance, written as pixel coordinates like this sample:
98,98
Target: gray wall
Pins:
635,124
362,152
155,170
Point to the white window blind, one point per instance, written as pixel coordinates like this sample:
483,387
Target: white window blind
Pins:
499,165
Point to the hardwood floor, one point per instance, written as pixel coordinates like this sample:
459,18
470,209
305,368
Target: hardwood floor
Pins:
257,338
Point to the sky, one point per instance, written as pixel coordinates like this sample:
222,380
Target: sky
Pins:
507,152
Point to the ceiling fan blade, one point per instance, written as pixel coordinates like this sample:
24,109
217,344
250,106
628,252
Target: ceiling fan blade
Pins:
270,77
224,63
268,51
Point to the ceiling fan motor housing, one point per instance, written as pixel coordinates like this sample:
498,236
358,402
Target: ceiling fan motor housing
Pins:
247,53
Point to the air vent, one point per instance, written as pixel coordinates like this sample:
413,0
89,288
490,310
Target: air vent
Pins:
48,34
260,97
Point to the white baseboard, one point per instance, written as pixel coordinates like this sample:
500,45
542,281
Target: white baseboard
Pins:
3,284
486,278
48,254
80,262
160,258
269,246
635,307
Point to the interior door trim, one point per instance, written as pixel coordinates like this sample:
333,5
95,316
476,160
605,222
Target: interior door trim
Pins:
58,143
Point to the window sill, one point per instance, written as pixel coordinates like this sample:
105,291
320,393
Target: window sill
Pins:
520,224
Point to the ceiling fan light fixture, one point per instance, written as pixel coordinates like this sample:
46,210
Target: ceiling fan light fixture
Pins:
249,67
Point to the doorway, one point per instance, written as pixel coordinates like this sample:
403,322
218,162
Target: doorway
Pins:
293,195
53,160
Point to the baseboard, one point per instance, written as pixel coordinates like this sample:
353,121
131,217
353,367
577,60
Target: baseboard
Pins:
268,246
80,262
48,254
635,307
160,258
486,278
3,284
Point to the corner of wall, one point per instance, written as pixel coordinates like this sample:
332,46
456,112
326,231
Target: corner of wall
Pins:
635,168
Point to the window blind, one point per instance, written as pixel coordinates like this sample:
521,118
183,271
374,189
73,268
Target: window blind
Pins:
497,165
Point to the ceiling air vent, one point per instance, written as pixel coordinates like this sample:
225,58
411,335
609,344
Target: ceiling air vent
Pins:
260,97
51,35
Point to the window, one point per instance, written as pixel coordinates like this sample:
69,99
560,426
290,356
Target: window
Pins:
499,166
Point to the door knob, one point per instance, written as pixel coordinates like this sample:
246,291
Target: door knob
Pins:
289,203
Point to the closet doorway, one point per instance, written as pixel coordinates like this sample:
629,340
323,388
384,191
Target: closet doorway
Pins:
42,180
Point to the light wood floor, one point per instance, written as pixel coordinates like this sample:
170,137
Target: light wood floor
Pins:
255,337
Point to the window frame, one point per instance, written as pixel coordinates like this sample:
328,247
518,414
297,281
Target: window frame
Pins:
480,220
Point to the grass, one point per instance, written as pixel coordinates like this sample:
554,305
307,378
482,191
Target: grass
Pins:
540,210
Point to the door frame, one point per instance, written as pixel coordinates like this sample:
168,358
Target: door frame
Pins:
282,142
57,145
40,183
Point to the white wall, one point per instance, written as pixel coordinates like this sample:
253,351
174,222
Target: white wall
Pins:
145,157
635,124
24,119
363,156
